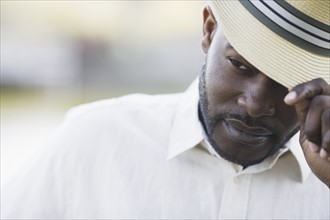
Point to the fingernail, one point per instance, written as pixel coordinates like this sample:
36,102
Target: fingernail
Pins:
313,147
290,96
323,153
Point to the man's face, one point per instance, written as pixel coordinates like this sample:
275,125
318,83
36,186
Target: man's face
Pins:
243,111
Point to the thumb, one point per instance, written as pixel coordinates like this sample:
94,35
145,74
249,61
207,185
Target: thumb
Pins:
301,107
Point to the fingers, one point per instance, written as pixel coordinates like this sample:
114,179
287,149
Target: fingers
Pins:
312,103
317,120
306,91
326,133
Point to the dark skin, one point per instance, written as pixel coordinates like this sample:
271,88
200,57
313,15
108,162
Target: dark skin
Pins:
248,116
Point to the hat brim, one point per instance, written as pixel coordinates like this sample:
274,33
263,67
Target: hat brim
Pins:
274,56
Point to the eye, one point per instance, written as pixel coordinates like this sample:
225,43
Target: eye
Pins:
238,64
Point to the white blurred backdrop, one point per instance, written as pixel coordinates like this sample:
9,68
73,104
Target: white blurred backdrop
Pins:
58,54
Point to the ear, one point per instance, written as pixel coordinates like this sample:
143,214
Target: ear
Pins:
209,28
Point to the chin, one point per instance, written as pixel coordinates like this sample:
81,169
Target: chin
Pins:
239,154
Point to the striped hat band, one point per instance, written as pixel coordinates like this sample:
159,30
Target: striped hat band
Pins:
292,24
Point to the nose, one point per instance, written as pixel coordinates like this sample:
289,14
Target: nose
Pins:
258,96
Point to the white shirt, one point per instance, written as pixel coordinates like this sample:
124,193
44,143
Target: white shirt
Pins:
142,157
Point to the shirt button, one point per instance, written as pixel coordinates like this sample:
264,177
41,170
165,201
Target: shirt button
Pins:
236,179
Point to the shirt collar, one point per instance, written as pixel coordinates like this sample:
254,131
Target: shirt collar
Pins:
187,132
295,148
292,146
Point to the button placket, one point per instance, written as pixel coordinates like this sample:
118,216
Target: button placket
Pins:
235,198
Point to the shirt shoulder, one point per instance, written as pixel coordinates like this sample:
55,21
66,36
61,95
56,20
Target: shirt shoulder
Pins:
123,106
131,123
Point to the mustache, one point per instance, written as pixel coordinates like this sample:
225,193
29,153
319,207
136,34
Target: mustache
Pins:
248,120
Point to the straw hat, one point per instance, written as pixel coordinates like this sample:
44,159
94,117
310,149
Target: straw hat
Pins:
287,40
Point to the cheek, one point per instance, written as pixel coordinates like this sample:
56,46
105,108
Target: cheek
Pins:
221,87
289,116
219,77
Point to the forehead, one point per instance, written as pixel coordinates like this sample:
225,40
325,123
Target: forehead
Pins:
222,40
228,46
225,45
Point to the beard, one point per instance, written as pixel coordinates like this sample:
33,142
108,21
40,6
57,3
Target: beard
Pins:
209,123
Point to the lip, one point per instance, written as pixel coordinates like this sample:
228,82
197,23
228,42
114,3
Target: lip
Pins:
244,134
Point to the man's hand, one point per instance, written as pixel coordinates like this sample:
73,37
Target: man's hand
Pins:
312,103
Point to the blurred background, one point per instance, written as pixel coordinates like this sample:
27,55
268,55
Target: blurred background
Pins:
58,54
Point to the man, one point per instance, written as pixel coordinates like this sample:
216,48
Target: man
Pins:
228,149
